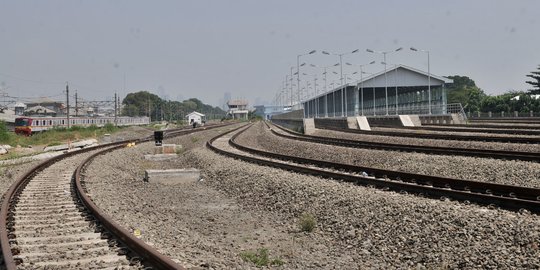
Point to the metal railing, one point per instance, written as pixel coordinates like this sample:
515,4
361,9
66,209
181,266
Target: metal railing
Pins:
437,109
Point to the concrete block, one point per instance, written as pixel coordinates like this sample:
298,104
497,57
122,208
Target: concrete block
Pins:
405,121
106,138
79,144
458,118
160,157
172,176
167,149
352,123
309,126
362,123
415,120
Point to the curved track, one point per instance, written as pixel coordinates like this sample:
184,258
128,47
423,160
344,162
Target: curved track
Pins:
505,196
50,222
509,155
535,131
412,134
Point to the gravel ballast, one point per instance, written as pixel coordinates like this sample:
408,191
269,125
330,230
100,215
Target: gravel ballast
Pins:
522,173
240,207
533,148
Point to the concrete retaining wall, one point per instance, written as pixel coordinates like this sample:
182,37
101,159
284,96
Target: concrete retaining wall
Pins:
294,115
291,120
384,121
331,123
293,124
441,119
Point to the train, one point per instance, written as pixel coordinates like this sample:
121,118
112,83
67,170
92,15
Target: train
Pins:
28,125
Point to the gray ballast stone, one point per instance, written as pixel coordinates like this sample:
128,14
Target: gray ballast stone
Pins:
172,176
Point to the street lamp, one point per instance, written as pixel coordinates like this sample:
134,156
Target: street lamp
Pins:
395,81
324,73
341,72
362,81
385,79
325,84
298,70
429,76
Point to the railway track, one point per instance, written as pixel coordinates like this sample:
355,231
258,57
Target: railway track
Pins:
409,134
48,221
522,120
535,131
504,196
508,155
46,225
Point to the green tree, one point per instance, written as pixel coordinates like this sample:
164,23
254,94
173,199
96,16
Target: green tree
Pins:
535,83
465,91
142,103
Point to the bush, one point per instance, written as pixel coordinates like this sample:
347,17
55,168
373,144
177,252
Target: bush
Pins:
5,135
307,222
75,128
109,127
260,258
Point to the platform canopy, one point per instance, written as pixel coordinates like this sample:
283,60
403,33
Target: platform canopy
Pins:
403,76
399,90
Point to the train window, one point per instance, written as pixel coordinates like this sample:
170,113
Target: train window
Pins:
50,122
21,122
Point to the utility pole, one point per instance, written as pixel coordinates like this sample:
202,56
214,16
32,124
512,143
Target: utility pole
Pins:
115,106
76,104
67,102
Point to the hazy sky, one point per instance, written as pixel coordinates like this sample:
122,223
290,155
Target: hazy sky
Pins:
183,49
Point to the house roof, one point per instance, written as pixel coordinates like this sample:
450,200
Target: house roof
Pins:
410,77
400,75
196,113
237,102
39,109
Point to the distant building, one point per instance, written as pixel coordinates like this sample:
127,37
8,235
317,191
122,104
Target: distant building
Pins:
19,108
196,117
39,111
267,111
56,106
238,109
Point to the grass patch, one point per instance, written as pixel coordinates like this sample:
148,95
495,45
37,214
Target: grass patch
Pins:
194,139
307,222
54,136
260,258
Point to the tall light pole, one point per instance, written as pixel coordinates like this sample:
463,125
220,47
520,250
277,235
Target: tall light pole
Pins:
429,76
325,84
291,82
298,70
341,75
362,81
385,77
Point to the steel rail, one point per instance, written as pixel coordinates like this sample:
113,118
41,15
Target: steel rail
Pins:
504,196
508,155
490,130
9,197
526,140
142,249
493,125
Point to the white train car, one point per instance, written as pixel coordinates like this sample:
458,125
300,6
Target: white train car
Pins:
28,125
